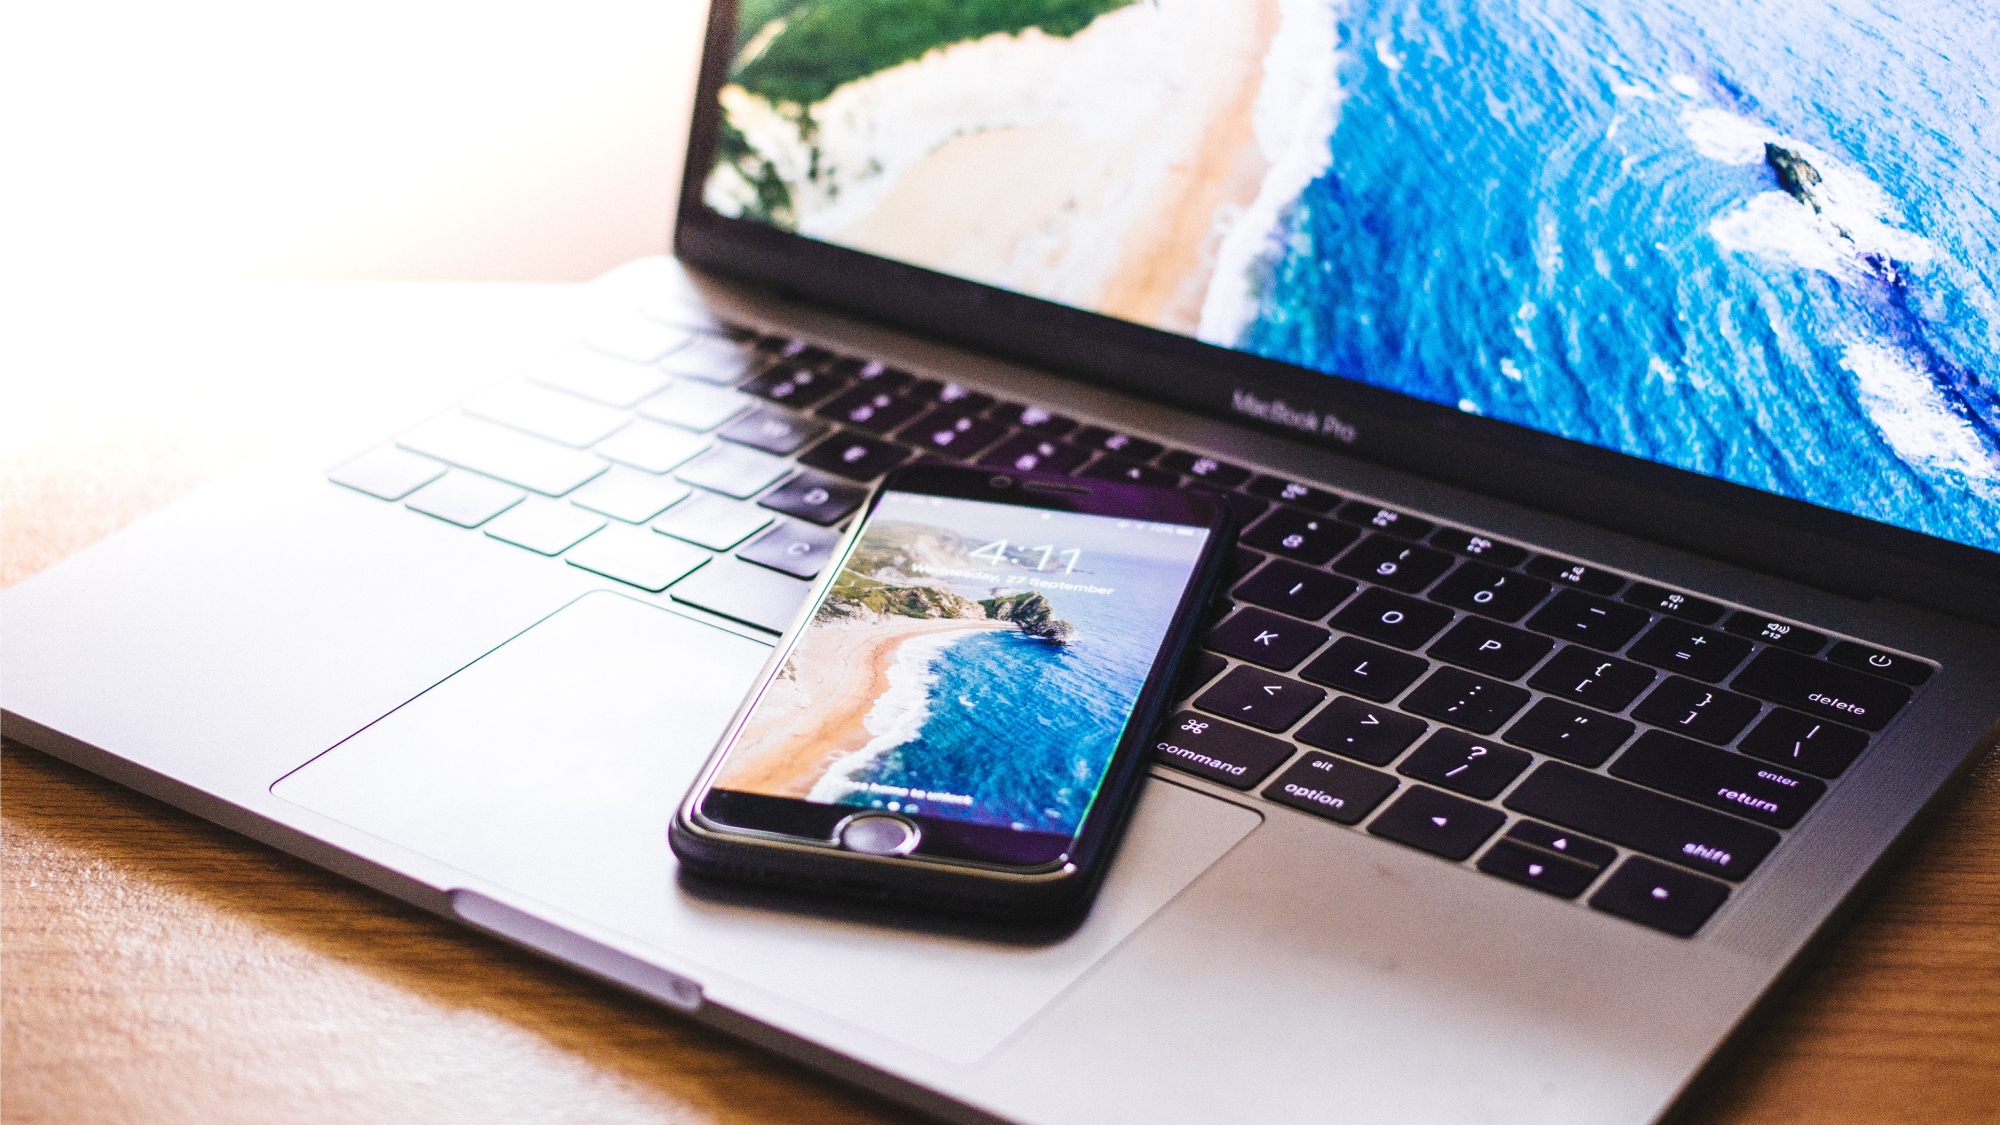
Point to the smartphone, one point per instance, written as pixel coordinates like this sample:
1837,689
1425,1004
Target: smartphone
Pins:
959,718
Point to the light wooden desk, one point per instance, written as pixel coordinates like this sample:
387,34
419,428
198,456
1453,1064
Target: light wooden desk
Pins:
158,969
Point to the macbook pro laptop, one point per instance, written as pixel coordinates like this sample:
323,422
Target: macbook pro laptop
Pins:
1608,393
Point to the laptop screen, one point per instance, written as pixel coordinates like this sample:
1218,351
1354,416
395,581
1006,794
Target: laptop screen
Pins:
1761,248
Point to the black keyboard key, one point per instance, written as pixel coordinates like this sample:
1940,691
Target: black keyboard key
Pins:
793,548
1465,700
1301,591
952,432
1569,572
1296,535
1328,787
1457,761
1439,823
1030,453
1716,778
872,373
1572,733
1548,838
1481,547
1820,689
1131,472
1801,742
1697,710
1907,669
1578,617
1221,474
1770,630
1366,670
1530,867
1113,441
1360,730
1605,682
1653,894
1400,621
802,354
1294,492
854,456
1661,826
796,387
1043,422
773,431
961,398
1490,592
1400,524
1492,648
1219,751
871,408
816,497
1204,667
1254,696
1263,637
1659,599
1242,561
1247,508
1690,650
1394,564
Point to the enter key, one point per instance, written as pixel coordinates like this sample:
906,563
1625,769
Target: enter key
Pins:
1719,779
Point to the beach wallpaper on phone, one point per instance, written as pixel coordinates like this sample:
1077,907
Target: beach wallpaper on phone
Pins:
1759,242
972,660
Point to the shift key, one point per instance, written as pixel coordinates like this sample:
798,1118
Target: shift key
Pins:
1219,751
1823,690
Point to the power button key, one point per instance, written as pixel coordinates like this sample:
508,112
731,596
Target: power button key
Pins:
1865,659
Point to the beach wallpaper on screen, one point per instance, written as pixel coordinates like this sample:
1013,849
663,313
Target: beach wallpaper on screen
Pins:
1753,240
972,660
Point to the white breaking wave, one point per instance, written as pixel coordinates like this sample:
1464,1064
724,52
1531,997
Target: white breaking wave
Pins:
898,716
1917,421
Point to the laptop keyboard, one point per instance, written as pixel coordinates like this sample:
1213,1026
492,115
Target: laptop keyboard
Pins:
1569,728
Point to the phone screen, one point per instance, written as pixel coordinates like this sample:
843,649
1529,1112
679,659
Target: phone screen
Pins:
972,663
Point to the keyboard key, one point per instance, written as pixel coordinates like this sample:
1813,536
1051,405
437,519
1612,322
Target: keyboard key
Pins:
1566,731
1531,867
1400,621
1813,745
1042,421
1262,637
1112,441
1242,561
630,495
950,431
1366,670
1294,492
640,558
1721,780
816,497
712,521
1294,534
733,471
1400,524
651,446
598,376
637,339
1221,474
545,527
855,457
1326,786
1770,630
1494,649
795,387
773,431
1219,751
798,353
1640,819
1589,621
1439,823
1490,592
464,499
1394,564
871,408
955,395
1907,669
694,406
1653,894
873,373
794,548
386,473
1659,599
1301,591
497,451
1604,682
710,359
1582,849
1457,761
1478,546
1360,730
1253,696
1131,472
1029,453
1204,667
546,413
1569,572
1246,508
1697,710
1463,699
741,592
1690,650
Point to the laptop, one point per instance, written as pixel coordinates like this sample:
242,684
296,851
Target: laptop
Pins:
1608,396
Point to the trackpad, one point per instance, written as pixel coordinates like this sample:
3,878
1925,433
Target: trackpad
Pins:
551,766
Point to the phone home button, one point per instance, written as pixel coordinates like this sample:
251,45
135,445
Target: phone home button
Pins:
877,834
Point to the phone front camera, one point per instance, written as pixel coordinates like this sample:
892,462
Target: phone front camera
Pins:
1002,482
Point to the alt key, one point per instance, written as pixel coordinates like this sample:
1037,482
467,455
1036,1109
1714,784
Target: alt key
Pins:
1326,786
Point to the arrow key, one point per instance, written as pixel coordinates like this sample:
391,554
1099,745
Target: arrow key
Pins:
1582,849
1564,878
1438,823
1254,696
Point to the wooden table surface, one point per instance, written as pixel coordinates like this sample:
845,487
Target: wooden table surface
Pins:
155,968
